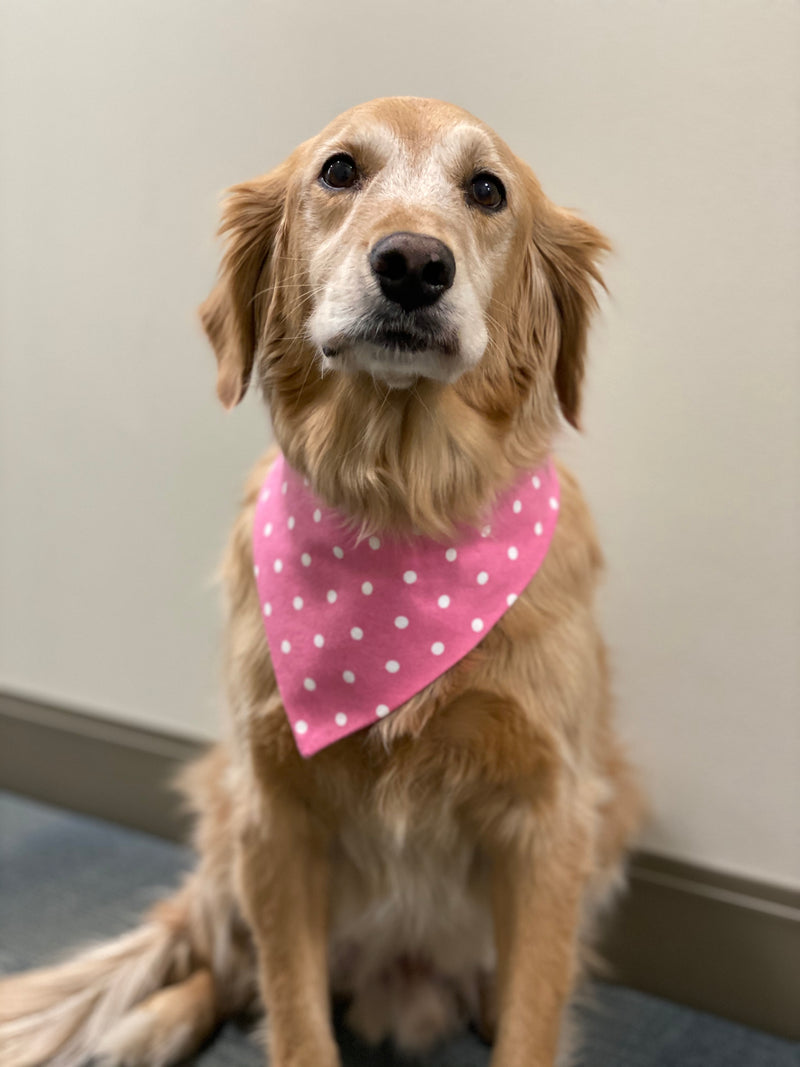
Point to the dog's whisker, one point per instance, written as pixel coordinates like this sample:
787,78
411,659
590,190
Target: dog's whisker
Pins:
281,285
303,383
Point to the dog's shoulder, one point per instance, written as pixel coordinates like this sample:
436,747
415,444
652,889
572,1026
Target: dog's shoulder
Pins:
575,558
237,561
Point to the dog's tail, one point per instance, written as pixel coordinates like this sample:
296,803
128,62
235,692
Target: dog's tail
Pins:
152,996
144,997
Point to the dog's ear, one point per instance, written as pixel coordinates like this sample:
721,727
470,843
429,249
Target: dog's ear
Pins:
252,217
571,250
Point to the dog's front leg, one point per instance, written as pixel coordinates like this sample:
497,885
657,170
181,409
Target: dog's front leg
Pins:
537,884
283,878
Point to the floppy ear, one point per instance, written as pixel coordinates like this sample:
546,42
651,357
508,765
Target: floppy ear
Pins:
251,219
571,250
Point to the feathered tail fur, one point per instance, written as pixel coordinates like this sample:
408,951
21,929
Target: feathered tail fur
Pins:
154,995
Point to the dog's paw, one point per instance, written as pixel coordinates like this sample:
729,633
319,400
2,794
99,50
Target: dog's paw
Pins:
414,1006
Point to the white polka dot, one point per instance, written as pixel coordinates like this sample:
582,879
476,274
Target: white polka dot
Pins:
374,542
381,710
392,666
277,566
401,622
301,726
553,503
297,603
290,522
331,596
317,515
338,552
356,633
486,531
309,684
437,648
268,529
443,601
516,507
450,555
305,559
265,495
513,552
306,482
255,570
349,677
511,599
285,647
410,577
366,588
340,718
536,483
538,529
284,487
477,625
268,609
483,578
319,640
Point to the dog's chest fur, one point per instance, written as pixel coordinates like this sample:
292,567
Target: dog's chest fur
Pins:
409,883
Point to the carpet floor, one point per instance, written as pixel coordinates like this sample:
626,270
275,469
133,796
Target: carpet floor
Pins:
66,879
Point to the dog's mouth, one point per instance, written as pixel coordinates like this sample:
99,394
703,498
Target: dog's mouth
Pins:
398,336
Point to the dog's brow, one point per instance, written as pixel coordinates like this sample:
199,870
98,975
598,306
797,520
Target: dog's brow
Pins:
465,135
374,139
467,142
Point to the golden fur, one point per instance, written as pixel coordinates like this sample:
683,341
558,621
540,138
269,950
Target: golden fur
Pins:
447,863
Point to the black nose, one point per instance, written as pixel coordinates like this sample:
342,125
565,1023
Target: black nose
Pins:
412,268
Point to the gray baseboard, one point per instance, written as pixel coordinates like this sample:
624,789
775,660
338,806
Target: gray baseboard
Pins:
93,765
714,941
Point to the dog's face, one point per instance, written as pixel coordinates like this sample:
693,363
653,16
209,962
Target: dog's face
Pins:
409,218
404,256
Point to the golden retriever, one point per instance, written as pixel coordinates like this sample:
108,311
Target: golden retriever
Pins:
414,310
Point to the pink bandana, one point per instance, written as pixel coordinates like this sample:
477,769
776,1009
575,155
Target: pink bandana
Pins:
357,627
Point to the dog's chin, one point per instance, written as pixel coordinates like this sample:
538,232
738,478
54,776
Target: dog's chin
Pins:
395,365
399,359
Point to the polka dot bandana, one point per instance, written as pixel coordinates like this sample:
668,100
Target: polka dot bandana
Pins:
356,626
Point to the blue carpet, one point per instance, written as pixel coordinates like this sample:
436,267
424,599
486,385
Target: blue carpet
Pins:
66,879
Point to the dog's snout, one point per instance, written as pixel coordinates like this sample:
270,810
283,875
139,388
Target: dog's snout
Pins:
413,269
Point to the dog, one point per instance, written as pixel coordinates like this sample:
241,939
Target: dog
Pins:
425,814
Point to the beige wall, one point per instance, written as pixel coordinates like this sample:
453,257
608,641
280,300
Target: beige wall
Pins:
674,126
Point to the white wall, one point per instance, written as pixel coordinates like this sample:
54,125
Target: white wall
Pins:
674,126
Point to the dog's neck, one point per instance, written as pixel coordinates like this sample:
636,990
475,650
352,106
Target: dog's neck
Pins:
422,459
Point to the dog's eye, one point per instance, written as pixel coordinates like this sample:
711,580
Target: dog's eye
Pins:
339,172
487,191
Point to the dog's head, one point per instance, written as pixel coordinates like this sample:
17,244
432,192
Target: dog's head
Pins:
403,285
